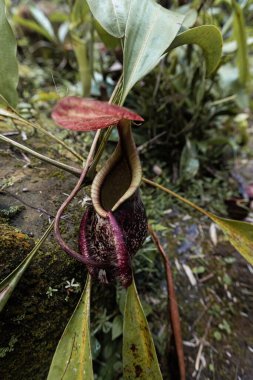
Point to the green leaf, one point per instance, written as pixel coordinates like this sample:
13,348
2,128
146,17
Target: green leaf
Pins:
109,41
32,25
8,60
240,234
209,38
239,29
112,15
81,52
189,163
150,30
79,13
63,31
190,18
139,355
43,21
9,283
117,327
217,335
72,359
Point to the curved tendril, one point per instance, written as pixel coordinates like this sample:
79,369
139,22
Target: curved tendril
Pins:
67,201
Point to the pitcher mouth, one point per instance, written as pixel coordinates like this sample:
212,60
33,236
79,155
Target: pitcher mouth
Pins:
120,176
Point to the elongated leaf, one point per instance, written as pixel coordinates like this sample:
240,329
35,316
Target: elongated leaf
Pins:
8,60
33,26
190,18
240,234
241,38
80,48
63,31
139,355
110,41
81,114
79,13
72,359
9,283
150,30
209,38
43,21
112,15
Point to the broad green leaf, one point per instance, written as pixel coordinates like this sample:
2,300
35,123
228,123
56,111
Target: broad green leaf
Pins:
8,60
112,15
150,30
240,234
239,29
72,359
43,21
9,283
139,355
209,38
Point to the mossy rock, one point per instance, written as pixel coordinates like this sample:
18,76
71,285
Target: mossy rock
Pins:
34,317
14,246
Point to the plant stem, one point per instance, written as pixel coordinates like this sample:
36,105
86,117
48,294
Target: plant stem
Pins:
104,134
172,306
76,189
60,165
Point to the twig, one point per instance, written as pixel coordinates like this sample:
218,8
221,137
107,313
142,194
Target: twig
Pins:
201,315
10,133
41,210
173,306
14,115
202,343
147,143
49,160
